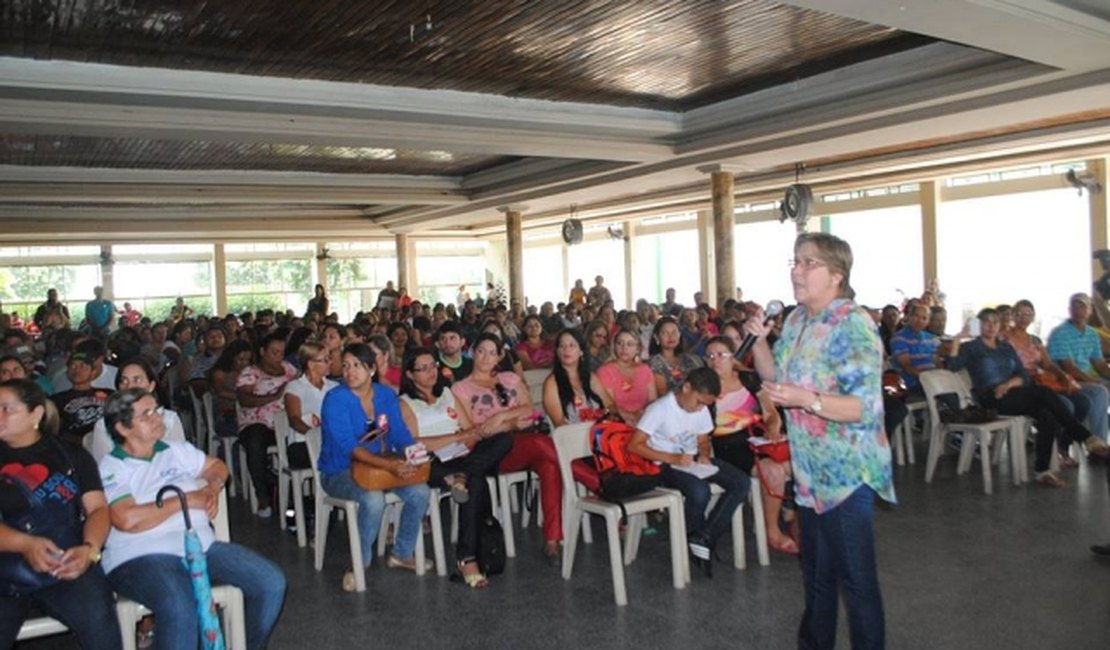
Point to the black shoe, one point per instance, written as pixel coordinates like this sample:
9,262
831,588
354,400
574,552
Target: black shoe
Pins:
701,553
1101,550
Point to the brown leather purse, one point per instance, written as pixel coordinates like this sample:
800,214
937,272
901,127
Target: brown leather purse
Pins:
1054,383
376,479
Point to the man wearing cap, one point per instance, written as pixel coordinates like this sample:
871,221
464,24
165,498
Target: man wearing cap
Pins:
91,352
81,406
1076,348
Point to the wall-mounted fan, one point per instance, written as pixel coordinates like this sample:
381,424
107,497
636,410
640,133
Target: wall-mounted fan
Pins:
796,204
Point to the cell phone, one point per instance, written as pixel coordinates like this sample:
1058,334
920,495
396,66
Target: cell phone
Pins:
973,327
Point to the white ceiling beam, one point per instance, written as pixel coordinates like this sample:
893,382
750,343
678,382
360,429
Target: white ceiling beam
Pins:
62,98
1035,30
201,194
44,174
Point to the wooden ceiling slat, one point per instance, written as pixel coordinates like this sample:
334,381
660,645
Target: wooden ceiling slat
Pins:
650,53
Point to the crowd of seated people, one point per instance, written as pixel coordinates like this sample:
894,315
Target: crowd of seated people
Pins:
441,375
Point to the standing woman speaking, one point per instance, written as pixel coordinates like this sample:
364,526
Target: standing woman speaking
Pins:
826,371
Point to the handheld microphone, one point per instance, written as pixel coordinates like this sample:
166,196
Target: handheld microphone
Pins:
774,308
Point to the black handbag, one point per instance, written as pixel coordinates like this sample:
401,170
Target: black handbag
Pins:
62,523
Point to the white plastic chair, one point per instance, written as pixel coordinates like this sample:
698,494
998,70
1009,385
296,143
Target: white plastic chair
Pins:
230,599
989,435
571,442
324,505
287,475
228,442
201,422
535,378
392,515
901,439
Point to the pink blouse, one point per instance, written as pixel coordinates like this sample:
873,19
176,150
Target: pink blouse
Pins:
629,394
484,402
541,357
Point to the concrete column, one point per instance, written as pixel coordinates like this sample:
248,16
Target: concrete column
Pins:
629,264
107,281
930,202
566,273
706,256
219,278
724,223
514,215
321,265
406,263
1100,215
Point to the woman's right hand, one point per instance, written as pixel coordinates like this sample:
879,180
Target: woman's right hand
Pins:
42,554
403,470
755,325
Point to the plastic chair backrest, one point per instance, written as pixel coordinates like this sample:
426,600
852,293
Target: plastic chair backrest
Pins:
534,378
209,412
941,382
572,441
220,523
281,435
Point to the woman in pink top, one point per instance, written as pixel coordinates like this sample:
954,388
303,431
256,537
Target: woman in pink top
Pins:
628,380
499,402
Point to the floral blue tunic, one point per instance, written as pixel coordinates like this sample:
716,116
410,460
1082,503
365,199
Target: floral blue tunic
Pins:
836,351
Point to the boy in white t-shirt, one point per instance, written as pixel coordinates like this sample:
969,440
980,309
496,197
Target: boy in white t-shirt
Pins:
674,432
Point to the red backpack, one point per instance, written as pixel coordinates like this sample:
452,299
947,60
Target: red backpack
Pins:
623,474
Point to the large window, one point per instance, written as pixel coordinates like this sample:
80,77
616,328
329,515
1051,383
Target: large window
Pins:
762,250
667,260
357,272
28,272
152,277
442,267
886,253
605,257
1034,245
543,274
269,276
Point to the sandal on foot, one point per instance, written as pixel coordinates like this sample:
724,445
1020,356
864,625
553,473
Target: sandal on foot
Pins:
349,581
1048,479
395,562
459,493
475,580
785,545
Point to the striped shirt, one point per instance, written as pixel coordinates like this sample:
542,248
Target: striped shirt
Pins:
1067,342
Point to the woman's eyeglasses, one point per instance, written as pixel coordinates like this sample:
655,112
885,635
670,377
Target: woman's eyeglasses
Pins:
502,394
807,263
718,355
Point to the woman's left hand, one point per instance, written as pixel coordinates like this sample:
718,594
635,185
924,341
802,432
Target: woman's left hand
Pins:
789,395
75,562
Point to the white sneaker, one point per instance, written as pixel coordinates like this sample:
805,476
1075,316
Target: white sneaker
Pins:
265,513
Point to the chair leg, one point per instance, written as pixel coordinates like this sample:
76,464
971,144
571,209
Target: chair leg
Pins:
897,442
455,522
985,460
739,544
680,559
936,448
390,516
298,512
283,497
245,477
320,537
358,564
587,533
570,537
506,516
229,451
755,499
419,550
612,522
437,533
633,531
127,611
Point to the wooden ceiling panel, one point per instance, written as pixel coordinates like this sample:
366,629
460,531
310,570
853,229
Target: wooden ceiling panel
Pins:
133,153
649,53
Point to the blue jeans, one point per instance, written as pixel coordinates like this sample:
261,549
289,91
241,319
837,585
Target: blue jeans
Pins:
838,553
371,505
85,605
1099,397
695,492
162,584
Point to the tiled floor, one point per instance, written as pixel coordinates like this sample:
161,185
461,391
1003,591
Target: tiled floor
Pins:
959,569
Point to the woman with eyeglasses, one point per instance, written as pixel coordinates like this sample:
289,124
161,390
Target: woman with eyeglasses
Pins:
143,555
597,339
571,393
1087,400
629,381
826,371
499,402
351,411
136,373
304,401
55,569
744,409
669,360
432,415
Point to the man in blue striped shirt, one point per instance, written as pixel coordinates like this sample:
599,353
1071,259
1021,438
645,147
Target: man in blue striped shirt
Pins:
1076,347
913,349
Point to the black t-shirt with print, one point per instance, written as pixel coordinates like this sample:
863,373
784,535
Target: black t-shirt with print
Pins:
451,375
44,468
79,410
